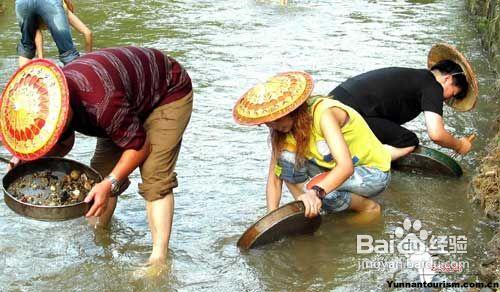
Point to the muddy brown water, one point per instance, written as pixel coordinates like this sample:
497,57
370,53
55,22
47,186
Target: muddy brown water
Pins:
227,46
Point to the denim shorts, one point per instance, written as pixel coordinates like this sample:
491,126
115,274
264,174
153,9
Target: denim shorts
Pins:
365,181
29,13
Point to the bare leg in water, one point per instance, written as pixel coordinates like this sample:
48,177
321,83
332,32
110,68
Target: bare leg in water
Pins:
367,210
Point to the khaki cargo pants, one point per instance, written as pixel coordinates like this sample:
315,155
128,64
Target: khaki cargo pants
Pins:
164,128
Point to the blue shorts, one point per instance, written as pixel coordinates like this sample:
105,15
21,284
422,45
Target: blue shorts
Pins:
365,181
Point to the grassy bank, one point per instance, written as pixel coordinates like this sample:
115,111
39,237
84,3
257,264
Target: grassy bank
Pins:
486,14
486,183
486,192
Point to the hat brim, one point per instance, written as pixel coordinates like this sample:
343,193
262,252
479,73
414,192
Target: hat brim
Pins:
247,112
34,109
440,52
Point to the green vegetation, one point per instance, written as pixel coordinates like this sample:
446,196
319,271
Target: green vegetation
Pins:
487,15
486,192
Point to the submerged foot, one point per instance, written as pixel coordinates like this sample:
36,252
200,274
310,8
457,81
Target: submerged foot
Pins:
154,268
365,218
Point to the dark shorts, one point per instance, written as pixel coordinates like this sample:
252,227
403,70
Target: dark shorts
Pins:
387,131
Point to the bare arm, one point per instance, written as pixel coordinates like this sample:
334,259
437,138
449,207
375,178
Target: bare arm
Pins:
75,22
130,160
439,135
273,188
39,43
101,192
330,124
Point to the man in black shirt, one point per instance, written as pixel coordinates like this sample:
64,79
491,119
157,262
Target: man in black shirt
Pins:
390,97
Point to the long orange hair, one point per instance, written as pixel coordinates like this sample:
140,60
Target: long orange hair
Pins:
301,129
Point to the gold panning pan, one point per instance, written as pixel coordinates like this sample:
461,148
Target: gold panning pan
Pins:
288,220
57,167
428,161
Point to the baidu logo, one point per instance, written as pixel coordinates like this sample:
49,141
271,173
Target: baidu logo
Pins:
417,245
412,239
409,239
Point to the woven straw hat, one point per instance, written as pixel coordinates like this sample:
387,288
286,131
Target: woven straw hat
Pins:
34,109
273,99
440,52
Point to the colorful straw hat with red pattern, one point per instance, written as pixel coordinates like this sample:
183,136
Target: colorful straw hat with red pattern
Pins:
273,99
34,109
441,52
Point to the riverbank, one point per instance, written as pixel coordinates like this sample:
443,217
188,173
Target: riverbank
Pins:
486,183
486,13
486,192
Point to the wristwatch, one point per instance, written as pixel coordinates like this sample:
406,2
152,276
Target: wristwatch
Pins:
115,184
320,192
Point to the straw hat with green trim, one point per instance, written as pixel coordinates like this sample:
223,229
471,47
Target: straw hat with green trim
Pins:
441,52
34,109
273,99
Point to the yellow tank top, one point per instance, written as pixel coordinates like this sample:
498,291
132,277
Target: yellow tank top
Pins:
364,147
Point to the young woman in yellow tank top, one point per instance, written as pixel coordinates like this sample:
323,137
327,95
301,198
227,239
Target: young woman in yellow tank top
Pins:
313,136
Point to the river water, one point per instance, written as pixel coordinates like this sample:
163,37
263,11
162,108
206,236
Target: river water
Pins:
228,46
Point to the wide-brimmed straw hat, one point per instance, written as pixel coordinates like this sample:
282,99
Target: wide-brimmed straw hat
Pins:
34,109
441,52
273,99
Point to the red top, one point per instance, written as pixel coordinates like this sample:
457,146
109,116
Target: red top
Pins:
112,91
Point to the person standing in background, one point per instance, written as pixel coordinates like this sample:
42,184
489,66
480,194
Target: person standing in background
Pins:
74,21
28,15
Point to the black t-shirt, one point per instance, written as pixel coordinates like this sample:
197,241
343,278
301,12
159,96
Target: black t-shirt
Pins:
394,93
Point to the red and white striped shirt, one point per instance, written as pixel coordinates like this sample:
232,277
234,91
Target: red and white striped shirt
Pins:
112,91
